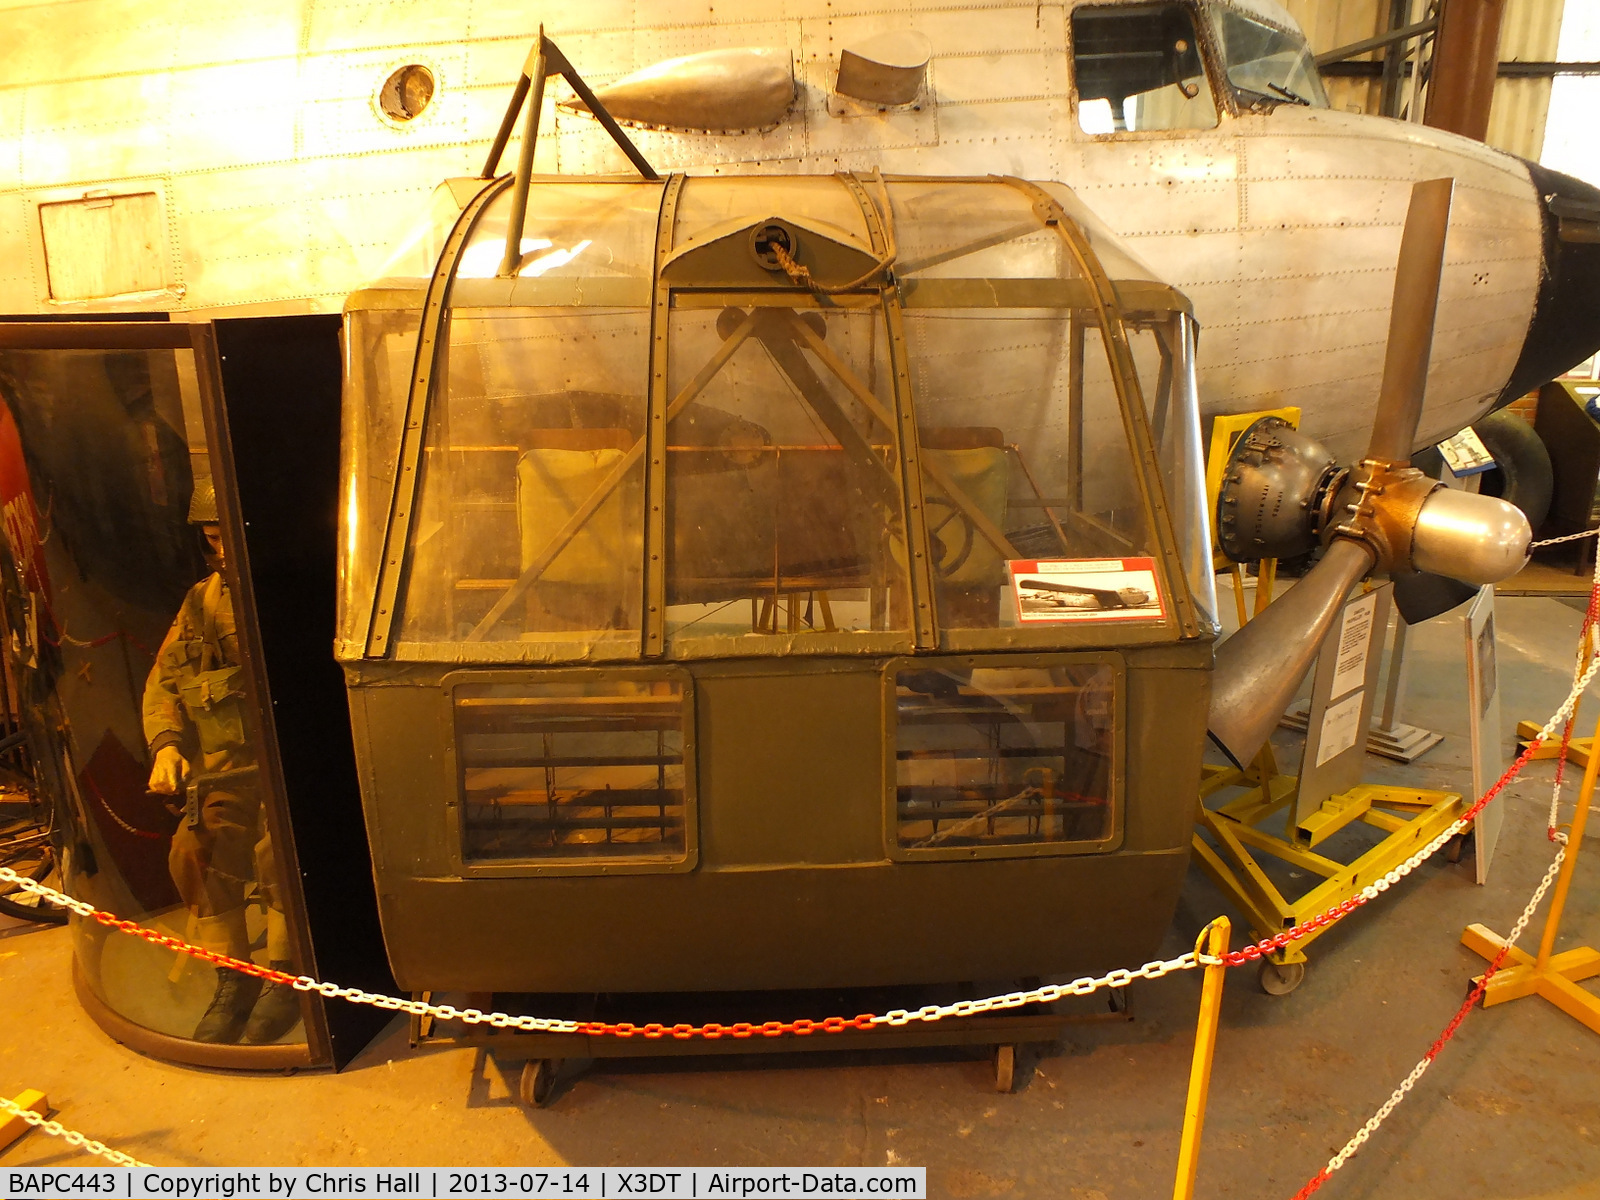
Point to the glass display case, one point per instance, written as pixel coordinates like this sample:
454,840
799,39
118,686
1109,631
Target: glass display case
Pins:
129,637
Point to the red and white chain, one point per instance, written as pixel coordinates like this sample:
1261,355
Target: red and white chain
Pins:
1417,1072
711,1030
1562,719
1588,649
71,1136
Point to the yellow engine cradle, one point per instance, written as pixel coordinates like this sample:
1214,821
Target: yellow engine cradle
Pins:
1411,817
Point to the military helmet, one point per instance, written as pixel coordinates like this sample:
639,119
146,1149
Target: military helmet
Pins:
203,503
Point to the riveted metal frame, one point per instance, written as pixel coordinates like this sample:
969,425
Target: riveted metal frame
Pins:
1116,784
572,864
1098,291
431,340
654,609
924,617
1125,378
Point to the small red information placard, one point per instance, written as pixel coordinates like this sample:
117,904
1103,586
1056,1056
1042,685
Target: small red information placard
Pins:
1054,590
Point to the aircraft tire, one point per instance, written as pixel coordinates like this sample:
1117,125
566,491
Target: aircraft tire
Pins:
1523,475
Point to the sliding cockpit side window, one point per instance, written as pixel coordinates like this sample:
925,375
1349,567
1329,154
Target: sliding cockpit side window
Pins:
1139,68
1266,65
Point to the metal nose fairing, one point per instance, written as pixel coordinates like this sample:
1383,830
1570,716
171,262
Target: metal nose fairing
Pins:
1565,328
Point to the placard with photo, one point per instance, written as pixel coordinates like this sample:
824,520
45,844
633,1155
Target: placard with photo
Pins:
1085,589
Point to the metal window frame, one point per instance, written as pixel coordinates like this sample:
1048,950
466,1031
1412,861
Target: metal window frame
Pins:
570,865
1116,783
1223,98
668,289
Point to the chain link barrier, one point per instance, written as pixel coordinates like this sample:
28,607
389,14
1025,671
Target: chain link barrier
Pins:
711,1030
1561,720
803,1027
1564,717
1417,1072
1571,537
71,1136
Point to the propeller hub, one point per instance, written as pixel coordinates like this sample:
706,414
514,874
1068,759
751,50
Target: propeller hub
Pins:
1476,539
1380,506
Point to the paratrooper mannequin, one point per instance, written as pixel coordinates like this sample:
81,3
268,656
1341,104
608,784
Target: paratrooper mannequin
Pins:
200,748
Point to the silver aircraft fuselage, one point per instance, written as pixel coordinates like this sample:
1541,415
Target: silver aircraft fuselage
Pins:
270,179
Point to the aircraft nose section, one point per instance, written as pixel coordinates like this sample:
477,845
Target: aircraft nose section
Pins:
1566,321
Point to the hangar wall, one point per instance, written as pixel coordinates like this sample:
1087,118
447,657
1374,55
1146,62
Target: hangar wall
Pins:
1529,32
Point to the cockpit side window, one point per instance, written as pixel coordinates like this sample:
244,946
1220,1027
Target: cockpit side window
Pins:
1267,65
1139,68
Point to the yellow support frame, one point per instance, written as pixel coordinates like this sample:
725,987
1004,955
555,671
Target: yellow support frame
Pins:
1553,976
13,1126
1410,817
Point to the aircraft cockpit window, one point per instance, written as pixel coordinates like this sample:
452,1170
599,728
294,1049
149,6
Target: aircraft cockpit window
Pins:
1266,65
778,504
951,230
1163,347
783,481
530,519
602,234
1056,483
1139,68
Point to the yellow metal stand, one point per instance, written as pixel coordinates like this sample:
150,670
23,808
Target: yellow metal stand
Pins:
1578,750
1553,976
14,1126
1214,939
1411,817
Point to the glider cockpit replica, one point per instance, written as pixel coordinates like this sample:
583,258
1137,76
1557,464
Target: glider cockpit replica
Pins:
696,532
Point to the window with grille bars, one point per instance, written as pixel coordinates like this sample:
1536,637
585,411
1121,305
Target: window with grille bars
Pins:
572,770
1004,760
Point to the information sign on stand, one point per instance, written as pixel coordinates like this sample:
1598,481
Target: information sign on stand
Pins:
1483,698
1342,695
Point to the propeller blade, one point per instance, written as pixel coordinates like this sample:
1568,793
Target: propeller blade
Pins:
1416,299
1259,669
1419,596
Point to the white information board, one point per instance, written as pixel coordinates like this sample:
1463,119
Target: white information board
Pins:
1342,693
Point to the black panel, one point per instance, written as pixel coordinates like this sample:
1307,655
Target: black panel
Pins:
1566,320
280,380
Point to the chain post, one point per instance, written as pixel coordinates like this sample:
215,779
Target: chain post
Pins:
1215,940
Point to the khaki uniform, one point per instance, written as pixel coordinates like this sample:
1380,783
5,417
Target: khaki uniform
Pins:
194,699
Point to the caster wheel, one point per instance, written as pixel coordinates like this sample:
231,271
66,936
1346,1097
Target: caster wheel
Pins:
538,1082
1005,1068
1279,979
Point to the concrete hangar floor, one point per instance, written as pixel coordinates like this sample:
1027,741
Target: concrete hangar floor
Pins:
1511,1109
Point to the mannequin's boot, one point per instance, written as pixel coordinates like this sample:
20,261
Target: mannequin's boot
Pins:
236,993
230,1008
276,1011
